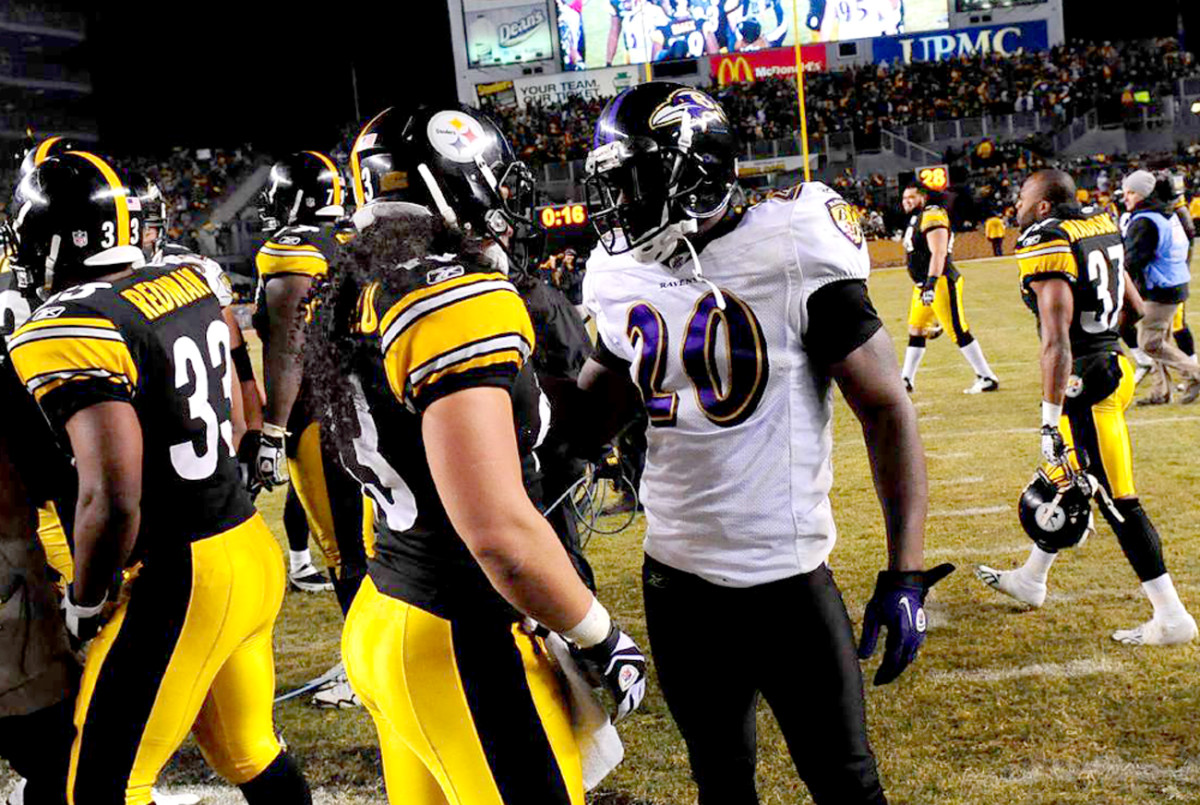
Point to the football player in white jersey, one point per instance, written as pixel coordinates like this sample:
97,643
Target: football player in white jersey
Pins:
733,324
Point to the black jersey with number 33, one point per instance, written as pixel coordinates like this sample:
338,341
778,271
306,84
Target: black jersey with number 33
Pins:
156,340
1081,245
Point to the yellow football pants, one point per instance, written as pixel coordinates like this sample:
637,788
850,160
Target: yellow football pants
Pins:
1102,433
189,651
332,501
947,308
54,542
467,713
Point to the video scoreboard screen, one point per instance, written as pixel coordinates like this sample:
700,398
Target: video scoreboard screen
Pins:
597,33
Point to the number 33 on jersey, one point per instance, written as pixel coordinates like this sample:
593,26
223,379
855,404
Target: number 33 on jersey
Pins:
155,340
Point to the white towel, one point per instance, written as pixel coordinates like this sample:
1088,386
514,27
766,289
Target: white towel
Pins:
600,746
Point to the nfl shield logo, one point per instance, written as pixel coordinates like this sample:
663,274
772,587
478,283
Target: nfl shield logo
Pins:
79,238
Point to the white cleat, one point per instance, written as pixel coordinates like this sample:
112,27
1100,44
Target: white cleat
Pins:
1013,584
17,795
308,579
1159,632
983,384
338,696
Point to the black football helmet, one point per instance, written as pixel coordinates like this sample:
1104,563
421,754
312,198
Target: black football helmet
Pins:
154,212
664,158
455,162
37,153
304,188
1056,507
75,219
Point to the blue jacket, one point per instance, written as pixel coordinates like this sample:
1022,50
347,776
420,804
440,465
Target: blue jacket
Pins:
1156,250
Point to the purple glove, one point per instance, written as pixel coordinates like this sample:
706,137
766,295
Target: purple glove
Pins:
899,606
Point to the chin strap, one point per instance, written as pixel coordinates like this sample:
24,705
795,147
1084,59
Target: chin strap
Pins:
698,273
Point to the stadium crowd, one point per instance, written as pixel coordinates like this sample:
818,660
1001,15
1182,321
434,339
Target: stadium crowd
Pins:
1064,82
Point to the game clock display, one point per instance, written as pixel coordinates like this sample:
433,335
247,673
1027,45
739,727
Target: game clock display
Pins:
563,216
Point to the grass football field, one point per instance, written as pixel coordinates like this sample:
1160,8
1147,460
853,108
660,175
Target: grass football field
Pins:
1003,706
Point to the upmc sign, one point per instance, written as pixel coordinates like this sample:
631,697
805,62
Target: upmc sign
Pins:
775,63
1003,40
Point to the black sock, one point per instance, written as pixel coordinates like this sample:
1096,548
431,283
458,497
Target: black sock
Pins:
295,522
346,582
1129,336
1138,539
917,341
281,783
1183,340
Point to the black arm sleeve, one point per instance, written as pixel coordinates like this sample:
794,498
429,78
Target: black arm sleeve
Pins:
840,320
607,358
1141,240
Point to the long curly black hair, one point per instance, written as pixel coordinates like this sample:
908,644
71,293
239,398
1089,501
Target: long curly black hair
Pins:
333,349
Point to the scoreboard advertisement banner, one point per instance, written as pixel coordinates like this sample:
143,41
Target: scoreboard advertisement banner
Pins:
1002,40
594,33
759,64
507,32
543,89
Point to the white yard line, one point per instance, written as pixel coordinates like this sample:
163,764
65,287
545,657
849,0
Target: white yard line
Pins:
1053,670
972,511
950,552
1113,769
956,481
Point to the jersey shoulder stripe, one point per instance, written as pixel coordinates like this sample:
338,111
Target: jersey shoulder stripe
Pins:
934,217
437,338
1044,251
293,250
53,353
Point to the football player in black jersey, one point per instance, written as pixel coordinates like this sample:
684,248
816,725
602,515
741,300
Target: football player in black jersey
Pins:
420,359
133,372
1073,278
247,400
937,290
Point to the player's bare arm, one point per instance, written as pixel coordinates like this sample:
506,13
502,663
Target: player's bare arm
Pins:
474,461
247,401
282,367
106,440
614,36
1055,309
939,247
1133,307
870,381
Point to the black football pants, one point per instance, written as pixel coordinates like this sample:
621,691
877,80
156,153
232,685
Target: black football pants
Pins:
717,648
38,746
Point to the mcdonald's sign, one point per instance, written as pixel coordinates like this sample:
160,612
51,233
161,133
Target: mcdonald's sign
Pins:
757,64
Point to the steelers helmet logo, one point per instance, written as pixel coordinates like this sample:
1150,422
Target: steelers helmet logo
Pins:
1050,517
457,136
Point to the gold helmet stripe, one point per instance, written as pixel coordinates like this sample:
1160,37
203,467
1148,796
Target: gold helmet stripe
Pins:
337,180
120,194
43,150
354,163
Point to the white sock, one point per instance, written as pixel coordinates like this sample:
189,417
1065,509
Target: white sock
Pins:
298,559
1037,566
1162,595
1141,358
912,362
974,355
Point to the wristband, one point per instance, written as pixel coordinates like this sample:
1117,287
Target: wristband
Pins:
241,362
80,611
1051,414
273,431
594,627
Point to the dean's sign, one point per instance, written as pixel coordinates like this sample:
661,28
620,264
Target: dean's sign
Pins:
984,40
